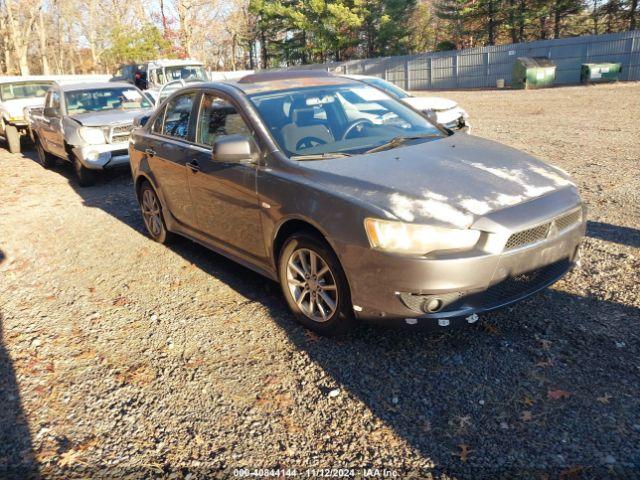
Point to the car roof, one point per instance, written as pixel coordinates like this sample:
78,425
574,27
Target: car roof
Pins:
72,87
285,80
167,62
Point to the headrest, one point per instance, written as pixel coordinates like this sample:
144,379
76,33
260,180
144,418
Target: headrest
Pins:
303,116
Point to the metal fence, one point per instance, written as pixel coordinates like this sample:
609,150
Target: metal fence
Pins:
482,67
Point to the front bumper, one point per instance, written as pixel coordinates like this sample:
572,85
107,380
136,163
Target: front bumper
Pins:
454,119
392,287
101,157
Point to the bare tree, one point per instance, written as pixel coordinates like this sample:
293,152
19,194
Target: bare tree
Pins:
20,18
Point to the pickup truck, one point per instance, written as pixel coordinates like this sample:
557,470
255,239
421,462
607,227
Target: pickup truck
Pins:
16,94
155,75
87,124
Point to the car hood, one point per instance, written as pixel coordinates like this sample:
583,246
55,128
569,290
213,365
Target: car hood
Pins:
107,117
14,108
447,182
430,103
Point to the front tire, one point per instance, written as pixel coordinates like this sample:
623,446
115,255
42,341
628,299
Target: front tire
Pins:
86,177
314,284
13,138
44,158
152,214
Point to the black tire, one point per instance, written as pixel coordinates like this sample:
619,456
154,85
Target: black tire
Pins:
86,177
341,319
153,220
44,158
13,138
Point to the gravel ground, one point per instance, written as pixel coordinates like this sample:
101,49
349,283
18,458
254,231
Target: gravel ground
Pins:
120,357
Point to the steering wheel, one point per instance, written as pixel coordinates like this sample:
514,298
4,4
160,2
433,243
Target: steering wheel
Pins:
308,142
356,124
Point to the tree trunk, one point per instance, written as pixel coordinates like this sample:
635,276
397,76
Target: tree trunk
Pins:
522,15
557,18
512,21
263,47
42,36
490,32
632,14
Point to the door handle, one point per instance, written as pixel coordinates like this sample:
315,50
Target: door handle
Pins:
150,152
193,166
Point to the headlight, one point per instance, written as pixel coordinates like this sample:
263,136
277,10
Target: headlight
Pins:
432,115
91,135
414,239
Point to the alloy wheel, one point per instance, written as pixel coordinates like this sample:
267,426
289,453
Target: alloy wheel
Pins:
312,285
151,212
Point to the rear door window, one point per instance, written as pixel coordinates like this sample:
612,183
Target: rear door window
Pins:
177,116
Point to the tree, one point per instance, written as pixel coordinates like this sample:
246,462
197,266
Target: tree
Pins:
20,18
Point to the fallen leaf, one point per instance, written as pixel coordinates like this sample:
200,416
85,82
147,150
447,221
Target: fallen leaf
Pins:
526,416
490,328
120,301
311,336
464,452
573,472
544,364
69,458
546,344
527,400
604,399
557,394
464,421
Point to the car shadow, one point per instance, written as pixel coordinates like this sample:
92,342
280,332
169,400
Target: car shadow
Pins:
546,387
17,458
614,233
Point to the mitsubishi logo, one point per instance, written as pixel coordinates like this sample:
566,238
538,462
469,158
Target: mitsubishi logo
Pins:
553,230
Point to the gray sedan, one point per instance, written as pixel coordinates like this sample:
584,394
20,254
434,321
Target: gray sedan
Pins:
379,216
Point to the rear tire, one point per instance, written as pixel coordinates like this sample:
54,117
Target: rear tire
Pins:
86,177
13,138
152,216
315,289
44,158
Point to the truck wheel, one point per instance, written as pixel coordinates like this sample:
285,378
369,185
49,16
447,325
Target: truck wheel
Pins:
46,159
86,177
13,138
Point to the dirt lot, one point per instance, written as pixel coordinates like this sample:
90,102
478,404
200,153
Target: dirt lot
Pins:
122,357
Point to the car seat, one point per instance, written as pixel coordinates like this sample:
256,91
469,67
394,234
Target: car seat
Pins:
304,125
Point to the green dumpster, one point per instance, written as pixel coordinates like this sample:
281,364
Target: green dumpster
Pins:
600,72
533,72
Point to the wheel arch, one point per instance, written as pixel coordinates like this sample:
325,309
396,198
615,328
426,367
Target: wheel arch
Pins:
295,224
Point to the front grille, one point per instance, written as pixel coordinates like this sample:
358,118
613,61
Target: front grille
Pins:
514,287
566,221
526,237
535,234
120,133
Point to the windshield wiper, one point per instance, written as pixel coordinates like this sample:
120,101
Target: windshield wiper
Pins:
320,156
399,140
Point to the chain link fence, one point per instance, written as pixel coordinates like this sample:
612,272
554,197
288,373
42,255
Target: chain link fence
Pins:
483,67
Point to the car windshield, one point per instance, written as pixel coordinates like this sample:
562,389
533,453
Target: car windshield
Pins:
339,119
388,87
184,72
13,91
101,99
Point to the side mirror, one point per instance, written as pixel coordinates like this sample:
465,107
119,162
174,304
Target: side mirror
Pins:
234,149
50,112
141,120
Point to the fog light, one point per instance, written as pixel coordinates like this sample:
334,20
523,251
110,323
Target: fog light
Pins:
92,156
433,305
